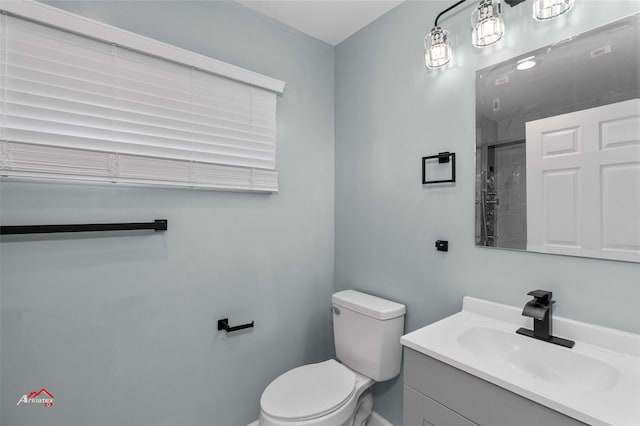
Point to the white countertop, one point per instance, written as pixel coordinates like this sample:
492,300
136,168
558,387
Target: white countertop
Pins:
596,382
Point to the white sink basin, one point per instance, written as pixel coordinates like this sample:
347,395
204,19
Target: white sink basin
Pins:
550,363
596,382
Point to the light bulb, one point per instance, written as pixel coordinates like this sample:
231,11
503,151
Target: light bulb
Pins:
487,23
437,52
549,9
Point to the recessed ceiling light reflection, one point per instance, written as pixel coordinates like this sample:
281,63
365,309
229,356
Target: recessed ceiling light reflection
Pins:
526,63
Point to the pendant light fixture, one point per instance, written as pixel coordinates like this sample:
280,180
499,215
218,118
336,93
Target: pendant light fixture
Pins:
437,52
487,27
550,9
487,23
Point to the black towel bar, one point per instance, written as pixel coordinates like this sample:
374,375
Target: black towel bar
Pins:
156,225
443,157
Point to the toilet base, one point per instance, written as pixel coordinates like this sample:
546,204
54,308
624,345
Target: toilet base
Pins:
363,411
374,420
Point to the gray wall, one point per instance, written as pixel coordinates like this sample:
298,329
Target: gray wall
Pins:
390,111
122,329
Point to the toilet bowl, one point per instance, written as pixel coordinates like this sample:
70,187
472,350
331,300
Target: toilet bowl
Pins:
367,332
323,394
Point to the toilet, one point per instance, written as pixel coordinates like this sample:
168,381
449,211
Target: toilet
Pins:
367,332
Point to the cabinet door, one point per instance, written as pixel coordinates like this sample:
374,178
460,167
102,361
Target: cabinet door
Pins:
420,410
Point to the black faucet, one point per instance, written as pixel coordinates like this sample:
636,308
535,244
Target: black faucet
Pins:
540,309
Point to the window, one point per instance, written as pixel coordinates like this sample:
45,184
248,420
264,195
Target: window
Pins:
93,107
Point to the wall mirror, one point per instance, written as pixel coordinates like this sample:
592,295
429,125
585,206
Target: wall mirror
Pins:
558,147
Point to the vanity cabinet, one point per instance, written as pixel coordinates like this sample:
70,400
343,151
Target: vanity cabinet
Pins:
437,394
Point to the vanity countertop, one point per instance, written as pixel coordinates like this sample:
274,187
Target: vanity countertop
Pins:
596,382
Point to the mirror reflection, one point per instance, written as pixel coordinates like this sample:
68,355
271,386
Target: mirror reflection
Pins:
558,147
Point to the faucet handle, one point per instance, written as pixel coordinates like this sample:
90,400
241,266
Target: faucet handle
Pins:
541,296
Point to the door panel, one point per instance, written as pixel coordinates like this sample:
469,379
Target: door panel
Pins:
583,182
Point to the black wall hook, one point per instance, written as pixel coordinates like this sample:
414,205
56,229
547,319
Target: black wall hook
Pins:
442,245
223,324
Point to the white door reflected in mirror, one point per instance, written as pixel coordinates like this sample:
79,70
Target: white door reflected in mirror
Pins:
583,182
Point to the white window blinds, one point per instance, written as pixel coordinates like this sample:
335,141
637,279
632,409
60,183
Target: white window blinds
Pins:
75,108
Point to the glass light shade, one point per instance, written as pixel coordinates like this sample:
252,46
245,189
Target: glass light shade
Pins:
487,23
549,9
437,52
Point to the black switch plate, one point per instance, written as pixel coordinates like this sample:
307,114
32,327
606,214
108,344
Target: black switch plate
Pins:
442,245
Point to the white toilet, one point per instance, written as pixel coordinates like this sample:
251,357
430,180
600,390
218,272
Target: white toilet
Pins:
367,332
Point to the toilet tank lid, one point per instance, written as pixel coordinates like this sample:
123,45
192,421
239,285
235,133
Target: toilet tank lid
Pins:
366,304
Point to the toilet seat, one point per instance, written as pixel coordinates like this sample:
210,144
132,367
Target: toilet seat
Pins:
309,392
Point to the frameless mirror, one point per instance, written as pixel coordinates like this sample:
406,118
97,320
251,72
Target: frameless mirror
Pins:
558,147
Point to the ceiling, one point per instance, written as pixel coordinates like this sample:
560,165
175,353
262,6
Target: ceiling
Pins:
331,21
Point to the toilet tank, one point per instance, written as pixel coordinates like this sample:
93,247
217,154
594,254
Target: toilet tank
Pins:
367,331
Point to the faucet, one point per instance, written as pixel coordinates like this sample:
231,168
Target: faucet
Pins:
540,309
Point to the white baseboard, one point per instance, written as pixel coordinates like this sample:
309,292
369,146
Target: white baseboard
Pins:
375,420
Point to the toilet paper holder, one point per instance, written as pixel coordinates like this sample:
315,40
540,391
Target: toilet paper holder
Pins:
223,324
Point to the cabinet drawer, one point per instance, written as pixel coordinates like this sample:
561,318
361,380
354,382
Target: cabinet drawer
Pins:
419,410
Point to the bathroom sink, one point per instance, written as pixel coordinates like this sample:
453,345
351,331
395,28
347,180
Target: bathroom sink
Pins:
548,362
596,382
